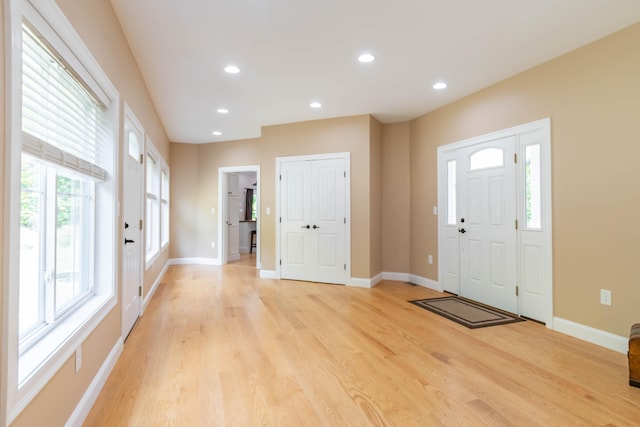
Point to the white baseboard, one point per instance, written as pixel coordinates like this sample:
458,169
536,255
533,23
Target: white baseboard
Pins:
592,335
198,261
89,398
149,295
358,282
398,277
268,274
424,282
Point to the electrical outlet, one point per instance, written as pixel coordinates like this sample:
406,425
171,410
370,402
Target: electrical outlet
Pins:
605,297
430,259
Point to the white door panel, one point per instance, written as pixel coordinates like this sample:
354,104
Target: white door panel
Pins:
488,261
233,228
313,225
132,214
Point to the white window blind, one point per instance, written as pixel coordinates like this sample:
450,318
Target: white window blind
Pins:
61,120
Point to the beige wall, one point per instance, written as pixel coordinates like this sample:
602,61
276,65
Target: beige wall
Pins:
593,98
396,198
350,134
375,206
97,25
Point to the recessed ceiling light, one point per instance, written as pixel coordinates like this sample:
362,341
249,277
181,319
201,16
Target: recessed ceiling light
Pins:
232,69
315,104
440,86
222,110
366,57
216,133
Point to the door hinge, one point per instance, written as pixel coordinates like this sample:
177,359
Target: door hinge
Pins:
139,291
345,267
141,158
140,224
516,224
517,290
515,157
280,177
280,262
345,220
280,220
345,174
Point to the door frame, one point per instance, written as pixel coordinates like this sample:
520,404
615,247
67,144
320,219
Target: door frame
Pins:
445,152
222,209
346,156
130,117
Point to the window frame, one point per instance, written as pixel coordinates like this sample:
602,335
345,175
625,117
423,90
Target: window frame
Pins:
25,375
154,200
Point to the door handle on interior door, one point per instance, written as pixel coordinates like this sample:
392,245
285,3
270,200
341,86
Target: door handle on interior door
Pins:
315,226
306,226
462,230
128,241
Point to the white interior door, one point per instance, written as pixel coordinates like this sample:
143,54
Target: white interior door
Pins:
233,217
313,220
132,223
487,223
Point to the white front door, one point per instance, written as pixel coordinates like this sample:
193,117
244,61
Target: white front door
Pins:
483,189
313,220
487,224
132,217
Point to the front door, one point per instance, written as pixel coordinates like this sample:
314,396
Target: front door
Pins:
132,223
487,223
313,220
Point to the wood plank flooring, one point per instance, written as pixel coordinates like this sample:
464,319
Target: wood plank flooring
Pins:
218,346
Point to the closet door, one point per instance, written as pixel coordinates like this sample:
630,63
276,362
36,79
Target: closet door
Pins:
313,221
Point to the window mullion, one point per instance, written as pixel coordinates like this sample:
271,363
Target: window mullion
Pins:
50,245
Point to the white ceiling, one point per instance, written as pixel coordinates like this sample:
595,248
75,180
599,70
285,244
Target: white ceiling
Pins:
292,52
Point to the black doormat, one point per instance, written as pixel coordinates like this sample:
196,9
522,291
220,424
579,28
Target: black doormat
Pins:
467,313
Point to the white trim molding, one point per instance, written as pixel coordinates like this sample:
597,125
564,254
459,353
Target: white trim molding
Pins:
424,282
358,282
268,274
79,415
592,335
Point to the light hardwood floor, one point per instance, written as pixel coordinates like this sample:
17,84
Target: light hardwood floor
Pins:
221,347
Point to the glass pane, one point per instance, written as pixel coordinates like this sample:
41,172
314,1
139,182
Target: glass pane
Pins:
533,205
487,158
134,146
71,234
254,207
31,244
165,186
451,193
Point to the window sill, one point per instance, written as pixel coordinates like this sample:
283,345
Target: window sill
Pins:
45,357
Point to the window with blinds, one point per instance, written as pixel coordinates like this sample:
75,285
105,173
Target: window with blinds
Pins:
60,117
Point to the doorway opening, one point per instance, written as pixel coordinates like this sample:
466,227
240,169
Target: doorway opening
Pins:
239,215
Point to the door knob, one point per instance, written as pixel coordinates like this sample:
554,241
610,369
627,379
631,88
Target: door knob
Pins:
315,227
462,230
306,226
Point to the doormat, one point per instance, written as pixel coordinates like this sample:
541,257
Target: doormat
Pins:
467,313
